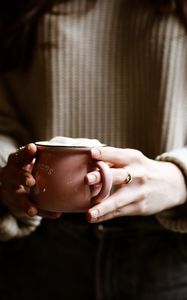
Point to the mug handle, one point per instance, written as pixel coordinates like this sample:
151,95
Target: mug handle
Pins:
106,181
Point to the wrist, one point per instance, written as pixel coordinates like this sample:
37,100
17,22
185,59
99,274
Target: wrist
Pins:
179,182
177,163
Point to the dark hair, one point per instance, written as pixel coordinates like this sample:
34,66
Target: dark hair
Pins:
18,22
19,19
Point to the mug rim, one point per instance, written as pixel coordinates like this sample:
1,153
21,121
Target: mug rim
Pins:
47,144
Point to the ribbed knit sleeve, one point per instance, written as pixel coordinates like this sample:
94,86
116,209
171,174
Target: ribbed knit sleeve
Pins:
108,70
175,219
11,227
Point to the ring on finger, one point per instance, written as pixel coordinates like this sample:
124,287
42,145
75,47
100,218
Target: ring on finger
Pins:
129,177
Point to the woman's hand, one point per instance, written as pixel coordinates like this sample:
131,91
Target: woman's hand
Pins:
155,186
16,180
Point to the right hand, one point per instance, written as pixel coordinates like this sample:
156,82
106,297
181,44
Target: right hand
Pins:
16,180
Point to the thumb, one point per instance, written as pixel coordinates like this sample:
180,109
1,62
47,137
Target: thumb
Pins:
23,156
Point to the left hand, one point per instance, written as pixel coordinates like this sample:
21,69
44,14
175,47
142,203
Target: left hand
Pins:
155,185
16,181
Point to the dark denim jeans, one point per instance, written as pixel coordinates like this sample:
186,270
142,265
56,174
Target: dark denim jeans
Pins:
127,258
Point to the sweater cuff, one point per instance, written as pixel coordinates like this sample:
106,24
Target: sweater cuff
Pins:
175,219
11,227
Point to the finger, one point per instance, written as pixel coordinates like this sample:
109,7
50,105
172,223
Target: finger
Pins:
95,190
28,167
116,201
23,156
133,209
23,179
119,175
32,211
122,176
116,156
24,204
19,203
93,178
26,179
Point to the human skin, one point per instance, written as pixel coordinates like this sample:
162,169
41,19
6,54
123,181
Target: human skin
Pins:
155,186
16,180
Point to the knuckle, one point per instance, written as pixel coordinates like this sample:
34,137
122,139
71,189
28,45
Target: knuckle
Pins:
135,154
119,155
28,181
117,213
143,179
97,176
139,155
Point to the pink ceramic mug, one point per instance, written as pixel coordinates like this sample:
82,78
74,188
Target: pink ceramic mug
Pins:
60,173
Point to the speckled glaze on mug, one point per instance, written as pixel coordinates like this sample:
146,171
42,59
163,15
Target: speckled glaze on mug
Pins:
60,173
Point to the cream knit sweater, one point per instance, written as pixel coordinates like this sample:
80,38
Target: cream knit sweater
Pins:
115,71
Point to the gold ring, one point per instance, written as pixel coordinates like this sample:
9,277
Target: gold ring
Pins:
129,176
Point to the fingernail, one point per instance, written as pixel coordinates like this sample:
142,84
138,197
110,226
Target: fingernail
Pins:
95,153
32,211
91,178
94,214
